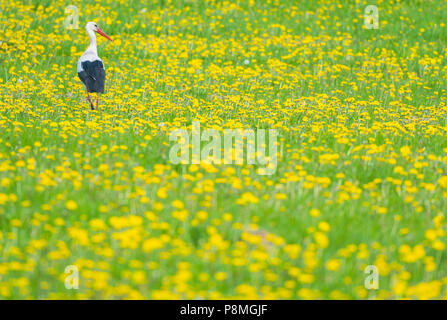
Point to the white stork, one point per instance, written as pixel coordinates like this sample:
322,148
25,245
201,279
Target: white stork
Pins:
90,67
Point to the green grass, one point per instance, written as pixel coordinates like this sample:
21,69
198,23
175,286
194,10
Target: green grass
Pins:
97,189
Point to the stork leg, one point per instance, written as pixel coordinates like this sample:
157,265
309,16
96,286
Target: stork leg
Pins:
97,101
90,100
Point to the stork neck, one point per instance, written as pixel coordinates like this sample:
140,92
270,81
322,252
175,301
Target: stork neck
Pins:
92,46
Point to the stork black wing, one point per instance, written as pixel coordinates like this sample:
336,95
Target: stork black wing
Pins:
93,76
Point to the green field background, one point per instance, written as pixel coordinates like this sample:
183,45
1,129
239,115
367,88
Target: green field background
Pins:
362,152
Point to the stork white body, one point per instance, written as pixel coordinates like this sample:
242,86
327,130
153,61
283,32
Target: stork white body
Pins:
91,54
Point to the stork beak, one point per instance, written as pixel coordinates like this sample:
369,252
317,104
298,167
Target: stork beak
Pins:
103,34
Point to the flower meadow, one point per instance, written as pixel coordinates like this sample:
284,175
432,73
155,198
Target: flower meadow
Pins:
361,176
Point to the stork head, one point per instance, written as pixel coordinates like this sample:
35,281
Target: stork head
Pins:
93,26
